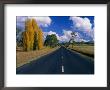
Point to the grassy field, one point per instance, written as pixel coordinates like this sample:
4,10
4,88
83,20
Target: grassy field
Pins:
25,57
84,49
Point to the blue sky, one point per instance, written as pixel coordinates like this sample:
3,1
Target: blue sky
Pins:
62,26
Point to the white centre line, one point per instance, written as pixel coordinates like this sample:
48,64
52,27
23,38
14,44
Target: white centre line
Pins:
62,68
62,57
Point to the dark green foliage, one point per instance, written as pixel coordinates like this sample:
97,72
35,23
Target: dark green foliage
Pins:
18,31
51,40
19,38
35,42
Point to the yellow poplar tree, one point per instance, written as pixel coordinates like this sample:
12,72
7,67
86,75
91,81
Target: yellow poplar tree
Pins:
40,39
32,36
26,41
35,28
39,34
34,25
28,35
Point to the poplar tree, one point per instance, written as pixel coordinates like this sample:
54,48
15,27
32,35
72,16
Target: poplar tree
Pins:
32,36
40,39
35,28
25,41
28,36
38,36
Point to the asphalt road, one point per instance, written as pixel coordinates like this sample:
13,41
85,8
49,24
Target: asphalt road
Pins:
61,61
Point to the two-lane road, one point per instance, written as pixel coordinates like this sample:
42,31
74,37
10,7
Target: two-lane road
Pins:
61,61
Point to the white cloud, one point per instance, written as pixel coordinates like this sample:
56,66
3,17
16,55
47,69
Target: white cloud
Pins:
63,38
84,26
66,36
50,33
20,19
81,23
44,21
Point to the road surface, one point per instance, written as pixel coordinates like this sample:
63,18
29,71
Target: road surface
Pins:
61,61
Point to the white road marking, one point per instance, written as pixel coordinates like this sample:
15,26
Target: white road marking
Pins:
62,57
62,68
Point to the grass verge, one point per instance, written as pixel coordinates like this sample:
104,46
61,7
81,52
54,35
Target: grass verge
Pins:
23,57
84,49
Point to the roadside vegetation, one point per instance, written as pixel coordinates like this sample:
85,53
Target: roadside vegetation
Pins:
30,44
84,49
24,57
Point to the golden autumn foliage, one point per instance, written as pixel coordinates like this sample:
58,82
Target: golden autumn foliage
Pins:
35,28
40,39
26,41
39,34
32,36
34,25
28,35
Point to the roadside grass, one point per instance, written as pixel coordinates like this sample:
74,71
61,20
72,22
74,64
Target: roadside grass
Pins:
84,49
23,57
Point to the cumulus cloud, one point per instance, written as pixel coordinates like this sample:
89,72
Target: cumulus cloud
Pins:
20,22
43,21
81,23
66,36
50,33
84,26
21,19
79,38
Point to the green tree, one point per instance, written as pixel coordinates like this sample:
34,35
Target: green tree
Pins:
51,40
73,35
19,35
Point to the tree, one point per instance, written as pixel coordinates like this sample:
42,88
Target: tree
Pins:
35,41
26,41
51,40
40,39
19,40
38,36
28,36
73,35
34,25
32,36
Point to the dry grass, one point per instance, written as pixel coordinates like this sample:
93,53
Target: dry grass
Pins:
25,57
85,49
